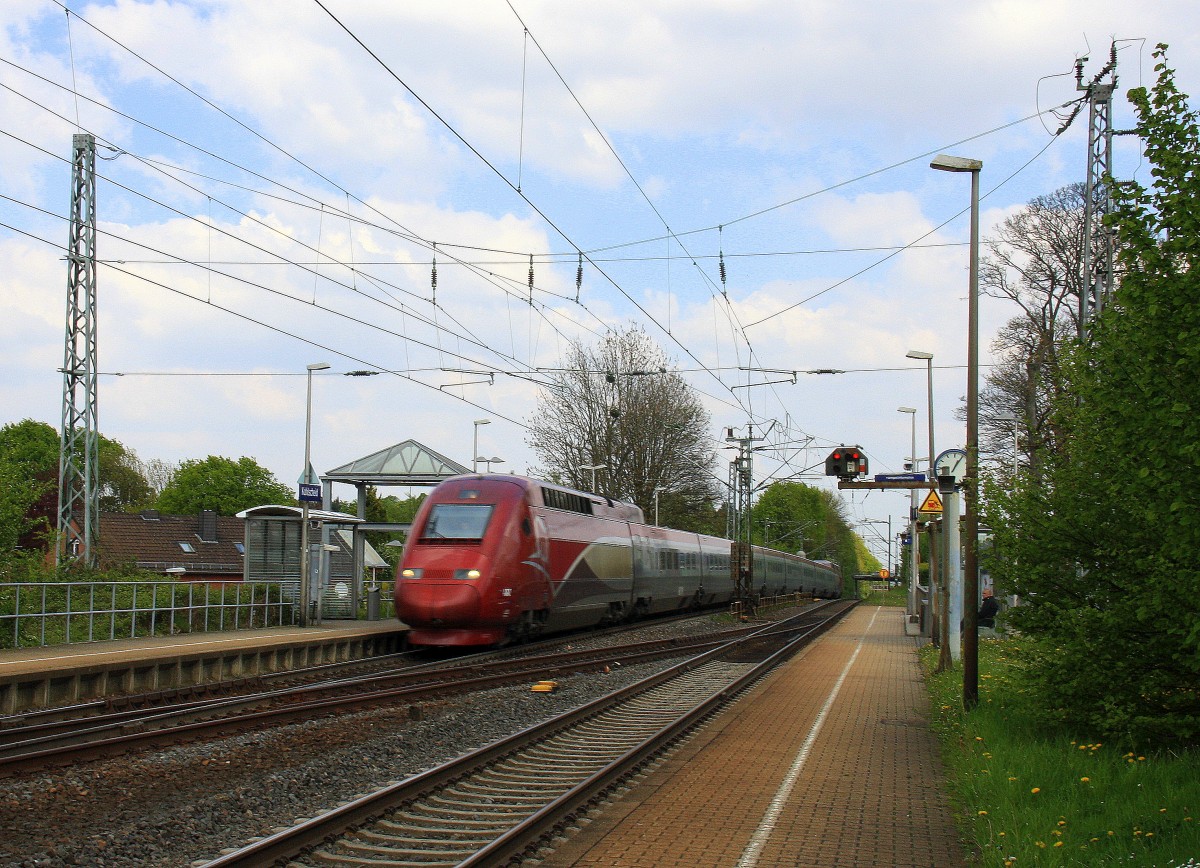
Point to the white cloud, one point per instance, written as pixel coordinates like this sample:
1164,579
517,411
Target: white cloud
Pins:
719,111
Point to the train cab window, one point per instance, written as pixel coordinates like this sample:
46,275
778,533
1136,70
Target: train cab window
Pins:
457,521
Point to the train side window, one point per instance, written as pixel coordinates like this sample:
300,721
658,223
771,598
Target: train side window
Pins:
526,526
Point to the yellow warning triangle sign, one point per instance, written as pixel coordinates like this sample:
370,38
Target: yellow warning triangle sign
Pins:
932,503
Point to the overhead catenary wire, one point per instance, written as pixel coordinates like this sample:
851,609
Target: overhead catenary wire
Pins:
668,236
499,174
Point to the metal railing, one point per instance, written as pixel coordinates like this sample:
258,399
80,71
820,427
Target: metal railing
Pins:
53,613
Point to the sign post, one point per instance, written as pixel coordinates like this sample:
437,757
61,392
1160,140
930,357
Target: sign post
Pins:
309,491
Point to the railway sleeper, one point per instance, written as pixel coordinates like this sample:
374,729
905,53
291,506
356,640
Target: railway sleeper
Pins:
501,778
508,791
494,800
325,857
393,848
435,806
419,826
423,836
568,768
582,753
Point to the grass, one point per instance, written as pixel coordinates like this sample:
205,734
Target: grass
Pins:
1030,795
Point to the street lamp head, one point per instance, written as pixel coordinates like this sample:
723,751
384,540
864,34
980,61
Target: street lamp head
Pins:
1007,416
906,409
947,163
918,354
483,421
319,366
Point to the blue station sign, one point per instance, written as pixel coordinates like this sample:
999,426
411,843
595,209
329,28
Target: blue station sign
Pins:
310,493
899,477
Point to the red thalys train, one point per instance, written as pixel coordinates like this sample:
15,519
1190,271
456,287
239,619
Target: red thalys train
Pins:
496,558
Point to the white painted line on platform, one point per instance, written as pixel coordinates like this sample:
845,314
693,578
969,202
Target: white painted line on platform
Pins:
763,834
226,639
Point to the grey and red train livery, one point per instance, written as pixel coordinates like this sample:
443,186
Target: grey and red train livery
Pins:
494,558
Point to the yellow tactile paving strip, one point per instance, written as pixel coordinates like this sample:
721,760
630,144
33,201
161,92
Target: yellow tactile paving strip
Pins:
844,725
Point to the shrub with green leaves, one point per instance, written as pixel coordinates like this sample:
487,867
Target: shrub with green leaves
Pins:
1104,547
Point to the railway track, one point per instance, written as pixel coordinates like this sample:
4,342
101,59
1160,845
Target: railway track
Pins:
493,806
58,741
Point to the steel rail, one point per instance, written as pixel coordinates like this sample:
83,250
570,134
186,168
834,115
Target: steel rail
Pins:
107,735
288,844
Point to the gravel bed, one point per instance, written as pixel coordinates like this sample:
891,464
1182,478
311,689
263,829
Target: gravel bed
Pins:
182,806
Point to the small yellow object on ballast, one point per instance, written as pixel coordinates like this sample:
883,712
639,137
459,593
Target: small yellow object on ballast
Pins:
545,687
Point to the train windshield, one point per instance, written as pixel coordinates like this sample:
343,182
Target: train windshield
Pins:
457,521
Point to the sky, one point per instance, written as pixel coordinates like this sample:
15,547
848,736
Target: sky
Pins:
749,182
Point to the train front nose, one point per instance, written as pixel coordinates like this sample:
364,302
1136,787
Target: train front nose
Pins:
442,604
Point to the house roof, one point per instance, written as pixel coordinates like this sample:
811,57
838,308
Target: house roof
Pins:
205,543
407,463
291,513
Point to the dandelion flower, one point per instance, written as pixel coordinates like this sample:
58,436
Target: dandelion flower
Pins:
1036,790
1058,843
983,813
1086,780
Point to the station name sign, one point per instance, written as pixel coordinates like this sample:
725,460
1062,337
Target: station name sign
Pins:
899,477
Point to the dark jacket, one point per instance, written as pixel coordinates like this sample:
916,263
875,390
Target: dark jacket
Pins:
987,612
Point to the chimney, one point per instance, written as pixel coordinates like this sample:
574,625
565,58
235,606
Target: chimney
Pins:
208,526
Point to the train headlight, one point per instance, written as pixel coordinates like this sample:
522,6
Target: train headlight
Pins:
466,574
411,573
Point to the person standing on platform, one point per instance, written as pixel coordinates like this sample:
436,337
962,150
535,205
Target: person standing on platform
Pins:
988,610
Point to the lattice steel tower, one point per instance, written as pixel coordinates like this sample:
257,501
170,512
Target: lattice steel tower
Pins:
738,526
79,454
1097,285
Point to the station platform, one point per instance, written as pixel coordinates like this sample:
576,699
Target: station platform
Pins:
64,674
827,763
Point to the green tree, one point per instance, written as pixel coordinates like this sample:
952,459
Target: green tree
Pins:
31,449
223,485
123,483
1104,548
29,493
794,517
389,509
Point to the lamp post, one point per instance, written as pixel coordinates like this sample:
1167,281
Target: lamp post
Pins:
888,522
970,643
914,544
657,489
475,448
305,555
928,357
593,468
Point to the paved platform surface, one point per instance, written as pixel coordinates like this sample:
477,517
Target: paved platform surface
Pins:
827,763
15,662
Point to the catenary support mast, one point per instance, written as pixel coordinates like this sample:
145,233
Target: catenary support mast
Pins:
79,461
1098,239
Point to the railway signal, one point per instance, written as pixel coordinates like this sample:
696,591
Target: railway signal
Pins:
846,462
